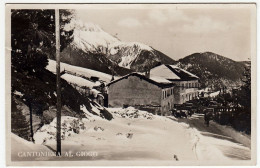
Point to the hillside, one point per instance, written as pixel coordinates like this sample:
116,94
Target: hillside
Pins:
213,70
41,99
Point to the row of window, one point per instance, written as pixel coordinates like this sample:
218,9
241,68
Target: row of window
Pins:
167,93
190,85
190,96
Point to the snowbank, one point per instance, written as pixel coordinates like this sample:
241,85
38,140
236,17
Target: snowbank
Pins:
69,126
238,136
130,112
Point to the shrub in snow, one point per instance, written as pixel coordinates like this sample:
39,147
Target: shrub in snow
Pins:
98,128
69,126
129,135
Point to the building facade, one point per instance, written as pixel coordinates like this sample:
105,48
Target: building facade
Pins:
141,92
165,86
186,83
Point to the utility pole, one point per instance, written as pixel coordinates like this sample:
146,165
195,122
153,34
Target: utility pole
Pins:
58,114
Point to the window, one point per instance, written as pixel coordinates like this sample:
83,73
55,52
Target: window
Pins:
163,94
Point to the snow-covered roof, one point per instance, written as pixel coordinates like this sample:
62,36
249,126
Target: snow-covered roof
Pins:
178,68
164,72
79,70
158,81
172,73
78,80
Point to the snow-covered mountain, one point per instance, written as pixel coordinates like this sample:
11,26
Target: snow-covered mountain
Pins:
99,47
90,37
125,53
137,56
96,49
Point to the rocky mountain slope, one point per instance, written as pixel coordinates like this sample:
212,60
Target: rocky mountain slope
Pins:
137,56
214,70
96,49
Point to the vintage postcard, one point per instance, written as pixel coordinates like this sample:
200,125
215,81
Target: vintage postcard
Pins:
130,84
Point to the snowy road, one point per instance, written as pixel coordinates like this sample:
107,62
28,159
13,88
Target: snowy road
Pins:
217,139
152,138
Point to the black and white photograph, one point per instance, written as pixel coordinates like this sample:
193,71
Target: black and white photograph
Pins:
135,84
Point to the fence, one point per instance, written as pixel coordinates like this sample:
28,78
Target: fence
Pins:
237,117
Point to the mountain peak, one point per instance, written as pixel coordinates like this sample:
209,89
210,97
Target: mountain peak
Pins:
84,26
90,37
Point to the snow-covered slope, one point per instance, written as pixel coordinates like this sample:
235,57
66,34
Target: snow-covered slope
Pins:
128,51
90,39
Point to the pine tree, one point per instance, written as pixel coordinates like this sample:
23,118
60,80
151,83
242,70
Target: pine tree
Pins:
32,38
245,93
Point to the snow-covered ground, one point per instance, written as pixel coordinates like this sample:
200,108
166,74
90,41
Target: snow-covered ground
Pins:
138,135
218,141
22,150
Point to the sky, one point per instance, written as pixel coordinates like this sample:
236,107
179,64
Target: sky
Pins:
178,30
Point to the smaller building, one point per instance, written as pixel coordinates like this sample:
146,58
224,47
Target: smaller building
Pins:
187,84
139,91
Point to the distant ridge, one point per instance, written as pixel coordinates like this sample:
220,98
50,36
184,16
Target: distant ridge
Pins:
214,70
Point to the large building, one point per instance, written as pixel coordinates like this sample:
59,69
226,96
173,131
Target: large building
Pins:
187,84
154,94
157,91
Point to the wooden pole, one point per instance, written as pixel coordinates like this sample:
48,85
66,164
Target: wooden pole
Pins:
58,115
